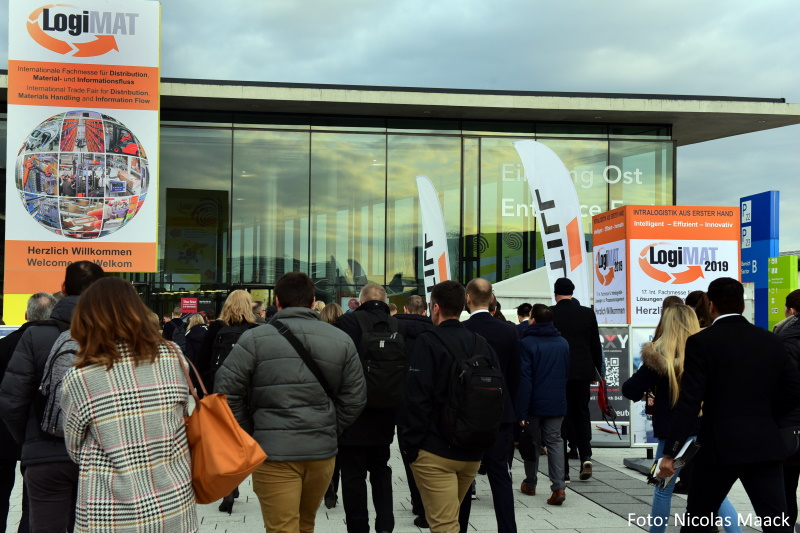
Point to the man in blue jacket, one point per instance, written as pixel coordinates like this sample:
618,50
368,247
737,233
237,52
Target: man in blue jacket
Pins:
542,398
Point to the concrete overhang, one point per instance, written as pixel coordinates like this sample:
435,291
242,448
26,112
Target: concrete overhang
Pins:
693,119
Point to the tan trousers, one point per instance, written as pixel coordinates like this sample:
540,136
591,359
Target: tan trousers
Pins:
442,484
290,493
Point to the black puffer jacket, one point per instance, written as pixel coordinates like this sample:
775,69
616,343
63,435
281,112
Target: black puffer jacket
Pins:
20,385
790,334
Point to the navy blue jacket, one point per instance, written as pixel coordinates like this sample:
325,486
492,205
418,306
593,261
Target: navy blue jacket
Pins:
504,340
544,371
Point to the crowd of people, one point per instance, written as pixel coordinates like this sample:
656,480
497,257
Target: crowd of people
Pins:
93,399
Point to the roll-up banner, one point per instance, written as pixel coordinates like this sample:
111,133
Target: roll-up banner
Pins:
435,258
558,215
83,119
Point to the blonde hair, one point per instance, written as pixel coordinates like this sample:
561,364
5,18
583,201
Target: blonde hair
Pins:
195,320
331,312
318,306
679,323
238,308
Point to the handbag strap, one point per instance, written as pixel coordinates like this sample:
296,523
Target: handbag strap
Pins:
173,348
283,329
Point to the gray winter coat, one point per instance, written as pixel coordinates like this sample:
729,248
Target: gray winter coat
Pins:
21,384
276,398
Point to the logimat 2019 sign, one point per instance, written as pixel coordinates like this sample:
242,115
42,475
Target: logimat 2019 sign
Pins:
83,119
667,251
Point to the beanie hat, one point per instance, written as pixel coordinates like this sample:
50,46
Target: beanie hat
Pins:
563,287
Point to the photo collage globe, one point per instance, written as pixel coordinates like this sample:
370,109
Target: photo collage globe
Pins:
82,174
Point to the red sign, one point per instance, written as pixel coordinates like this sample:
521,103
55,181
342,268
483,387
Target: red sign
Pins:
189,305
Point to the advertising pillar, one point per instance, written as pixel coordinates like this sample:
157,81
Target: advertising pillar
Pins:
83,123
670,251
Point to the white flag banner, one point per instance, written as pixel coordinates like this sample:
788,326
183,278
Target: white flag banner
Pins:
435,258
558,216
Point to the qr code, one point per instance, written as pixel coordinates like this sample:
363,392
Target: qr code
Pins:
612,372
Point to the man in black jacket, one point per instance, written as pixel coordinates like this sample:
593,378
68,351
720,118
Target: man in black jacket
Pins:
50,475
40,305
169,327
364,446
578,325
415,319
443,471
742,378
504,340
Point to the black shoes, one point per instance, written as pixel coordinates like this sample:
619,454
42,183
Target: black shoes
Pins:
227,503
420,522
586,470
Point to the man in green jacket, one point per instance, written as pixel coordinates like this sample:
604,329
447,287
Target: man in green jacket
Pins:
275,396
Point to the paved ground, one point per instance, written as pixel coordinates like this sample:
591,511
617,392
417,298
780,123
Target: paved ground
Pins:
601,504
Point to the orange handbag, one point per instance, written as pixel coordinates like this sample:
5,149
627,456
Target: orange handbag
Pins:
223,454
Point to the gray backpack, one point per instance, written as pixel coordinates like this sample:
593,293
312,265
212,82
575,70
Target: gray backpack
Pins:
59,362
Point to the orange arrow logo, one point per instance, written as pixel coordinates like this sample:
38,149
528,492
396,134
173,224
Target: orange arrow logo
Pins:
51,43
689,275
98,47
101,45
605,279
649,269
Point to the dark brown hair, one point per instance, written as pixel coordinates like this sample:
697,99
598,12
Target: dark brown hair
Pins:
110,311
698,300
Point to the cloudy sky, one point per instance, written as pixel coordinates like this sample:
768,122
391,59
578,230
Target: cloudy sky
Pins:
709,47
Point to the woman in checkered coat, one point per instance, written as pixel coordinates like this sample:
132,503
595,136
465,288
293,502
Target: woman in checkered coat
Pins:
124,404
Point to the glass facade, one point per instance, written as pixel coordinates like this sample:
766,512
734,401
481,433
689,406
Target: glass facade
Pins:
245,198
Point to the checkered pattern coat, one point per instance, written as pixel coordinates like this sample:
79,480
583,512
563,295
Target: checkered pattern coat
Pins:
125,429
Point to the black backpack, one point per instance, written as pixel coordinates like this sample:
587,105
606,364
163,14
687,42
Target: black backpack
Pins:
383,357
179,336
471,416
226,339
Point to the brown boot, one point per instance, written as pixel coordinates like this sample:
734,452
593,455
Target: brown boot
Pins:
525,490
557,498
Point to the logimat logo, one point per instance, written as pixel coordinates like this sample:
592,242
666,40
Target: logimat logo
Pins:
68,30
607,260
669,263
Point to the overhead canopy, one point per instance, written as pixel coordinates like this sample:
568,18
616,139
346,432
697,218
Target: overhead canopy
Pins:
693,119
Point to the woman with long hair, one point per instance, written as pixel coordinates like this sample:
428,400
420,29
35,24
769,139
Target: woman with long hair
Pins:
660,372
124,405
235,318
669,301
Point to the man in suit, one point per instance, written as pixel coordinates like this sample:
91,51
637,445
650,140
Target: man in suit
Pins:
578,325
504,340
741,377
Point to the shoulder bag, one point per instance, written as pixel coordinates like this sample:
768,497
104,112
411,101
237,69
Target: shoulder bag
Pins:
223,454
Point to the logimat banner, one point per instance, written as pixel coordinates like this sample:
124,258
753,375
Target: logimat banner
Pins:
83,117
670,251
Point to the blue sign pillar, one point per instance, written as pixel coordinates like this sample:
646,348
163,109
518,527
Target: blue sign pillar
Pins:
760,238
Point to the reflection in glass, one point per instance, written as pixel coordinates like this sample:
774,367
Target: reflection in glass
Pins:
270,199
640,173
197,160
348,212
438,158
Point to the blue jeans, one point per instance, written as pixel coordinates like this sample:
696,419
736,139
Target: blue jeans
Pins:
662,503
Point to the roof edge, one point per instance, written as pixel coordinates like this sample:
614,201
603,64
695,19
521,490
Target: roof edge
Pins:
439,90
